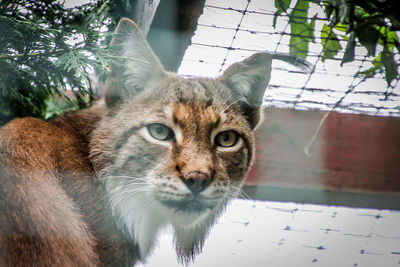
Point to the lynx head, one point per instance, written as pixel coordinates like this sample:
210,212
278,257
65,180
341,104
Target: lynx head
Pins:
174,150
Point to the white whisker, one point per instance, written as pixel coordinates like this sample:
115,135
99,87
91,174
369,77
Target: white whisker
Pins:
239,192
234,102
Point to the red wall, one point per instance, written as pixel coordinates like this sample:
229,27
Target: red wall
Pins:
351,153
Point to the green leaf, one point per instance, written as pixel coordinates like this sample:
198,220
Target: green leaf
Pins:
368,36
341,27
377,62
301,31
389,38
281,6
328,9
312,27
376,19
325,32
331,49
377,65
392,36
389,64
330,43
349,52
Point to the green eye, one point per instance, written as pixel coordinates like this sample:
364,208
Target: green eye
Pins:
226,139
160,132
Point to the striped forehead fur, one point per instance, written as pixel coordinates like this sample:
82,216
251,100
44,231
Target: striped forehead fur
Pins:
187,90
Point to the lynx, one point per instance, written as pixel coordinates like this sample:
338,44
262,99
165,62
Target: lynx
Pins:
95,187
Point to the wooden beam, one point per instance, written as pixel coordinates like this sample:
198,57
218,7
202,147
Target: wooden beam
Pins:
173,26
143,13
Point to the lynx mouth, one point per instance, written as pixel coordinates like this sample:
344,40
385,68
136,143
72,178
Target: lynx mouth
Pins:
187,206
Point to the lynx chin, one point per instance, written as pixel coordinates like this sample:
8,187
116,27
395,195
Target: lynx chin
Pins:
95,187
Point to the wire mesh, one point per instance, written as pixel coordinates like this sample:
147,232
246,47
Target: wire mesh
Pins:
230,31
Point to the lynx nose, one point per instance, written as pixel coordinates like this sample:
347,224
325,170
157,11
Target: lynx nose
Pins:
196,181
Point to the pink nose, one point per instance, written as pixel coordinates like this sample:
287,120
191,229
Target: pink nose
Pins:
196,181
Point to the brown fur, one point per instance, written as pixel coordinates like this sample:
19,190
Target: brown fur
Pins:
47,188
94,187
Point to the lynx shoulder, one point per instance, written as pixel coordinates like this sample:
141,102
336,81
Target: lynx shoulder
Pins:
95,187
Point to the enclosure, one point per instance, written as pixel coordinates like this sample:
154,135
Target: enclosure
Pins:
324,189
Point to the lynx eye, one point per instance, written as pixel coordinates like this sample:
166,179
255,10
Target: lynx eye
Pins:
226,139
160,132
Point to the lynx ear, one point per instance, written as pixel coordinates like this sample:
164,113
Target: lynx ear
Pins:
133,66
247,81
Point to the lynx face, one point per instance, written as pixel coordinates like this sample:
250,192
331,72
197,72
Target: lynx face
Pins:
177,153
173,151
182,147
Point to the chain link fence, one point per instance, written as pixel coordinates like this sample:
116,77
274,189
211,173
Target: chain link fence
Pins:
230,31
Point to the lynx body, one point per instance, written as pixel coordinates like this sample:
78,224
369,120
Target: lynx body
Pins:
96,186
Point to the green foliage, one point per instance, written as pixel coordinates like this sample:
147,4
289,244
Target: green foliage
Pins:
281,6
302,32
330,43
58,105
46,49
360,23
